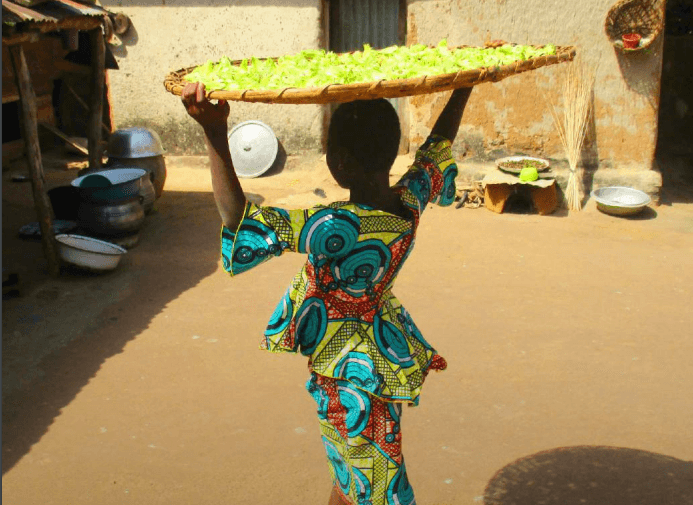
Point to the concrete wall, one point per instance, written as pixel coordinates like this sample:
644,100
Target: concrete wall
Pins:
513,116
172,34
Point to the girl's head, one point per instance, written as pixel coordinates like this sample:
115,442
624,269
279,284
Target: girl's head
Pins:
363,139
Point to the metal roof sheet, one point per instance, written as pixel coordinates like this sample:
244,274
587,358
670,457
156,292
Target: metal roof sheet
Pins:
50,11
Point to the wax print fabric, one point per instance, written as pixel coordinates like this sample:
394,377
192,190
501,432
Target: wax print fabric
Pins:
362,437
339,309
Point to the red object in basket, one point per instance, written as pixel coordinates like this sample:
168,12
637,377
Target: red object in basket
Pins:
631,40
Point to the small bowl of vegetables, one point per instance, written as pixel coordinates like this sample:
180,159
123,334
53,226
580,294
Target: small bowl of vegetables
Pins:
515,164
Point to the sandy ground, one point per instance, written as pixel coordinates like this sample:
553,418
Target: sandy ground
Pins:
566,336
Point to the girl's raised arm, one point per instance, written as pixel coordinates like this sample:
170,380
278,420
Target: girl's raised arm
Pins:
449,120
213,118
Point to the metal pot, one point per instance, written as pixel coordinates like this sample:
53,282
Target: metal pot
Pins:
148,193
114,218
156,165
136,142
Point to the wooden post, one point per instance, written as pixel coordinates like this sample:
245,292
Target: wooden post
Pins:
98,69
33,153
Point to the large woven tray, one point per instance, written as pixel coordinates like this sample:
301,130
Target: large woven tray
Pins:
175,83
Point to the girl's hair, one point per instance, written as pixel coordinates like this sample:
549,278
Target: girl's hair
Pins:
367,129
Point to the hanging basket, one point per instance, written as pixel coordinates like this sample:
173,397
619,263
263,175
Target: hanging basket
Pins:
175,82
644,18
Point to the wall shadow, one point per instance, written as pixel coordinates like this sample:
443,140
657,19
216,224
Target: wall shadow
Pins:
57,335
593,475
129,38
589,156
638,68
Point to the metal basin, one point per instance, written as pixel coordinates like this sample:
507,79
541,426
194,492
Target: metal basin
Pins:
620,200
155,165
135,142
125,183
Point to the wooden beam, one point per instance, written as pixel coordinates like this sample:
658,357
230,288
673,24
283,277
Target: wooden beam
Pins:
64,137
33,152
20,38
98,68
83,104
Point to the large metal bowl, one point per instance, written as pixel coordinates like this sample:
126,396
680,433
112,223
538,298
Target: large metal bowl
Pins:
125,183
88,252
620,200
135,142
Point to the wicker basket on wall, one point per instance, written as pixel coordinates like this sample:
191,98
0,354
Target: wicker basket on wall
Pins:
644,17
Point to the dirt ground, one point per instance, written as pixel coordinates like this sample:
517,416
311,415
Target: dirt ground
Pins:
568,339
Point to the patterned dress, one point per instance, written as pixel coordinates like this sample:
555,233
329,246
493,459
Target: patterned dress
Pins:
366,355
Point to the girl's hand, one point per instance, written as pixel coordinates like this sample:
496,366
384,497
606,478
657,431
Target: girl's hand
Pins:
203,111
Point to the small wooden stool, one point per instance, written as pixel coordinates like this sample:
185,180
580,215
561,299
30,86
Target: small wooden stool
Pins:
544,199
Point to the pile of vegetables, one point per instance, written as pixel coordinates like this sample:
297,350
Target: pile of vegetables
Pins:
315,68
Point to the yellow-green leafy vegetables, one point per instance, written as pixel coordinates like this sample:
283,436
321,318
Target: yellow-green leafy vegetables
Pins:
315,68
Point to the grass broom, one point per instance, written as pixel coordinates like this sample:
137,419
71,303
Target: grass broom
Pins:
578,83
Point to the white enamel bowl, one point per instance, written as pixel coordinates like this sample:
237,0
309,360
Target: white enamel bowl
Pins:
89,253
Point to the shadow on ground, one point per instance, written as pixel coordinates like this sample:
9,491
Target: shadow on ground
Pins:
593,475
57,335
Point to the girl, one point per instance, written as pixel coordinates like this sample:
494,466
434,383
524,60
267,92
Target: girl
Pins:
366,356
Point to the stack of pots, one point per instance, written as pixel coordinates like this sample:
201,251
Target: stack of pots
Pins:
138,147
112,204
137,172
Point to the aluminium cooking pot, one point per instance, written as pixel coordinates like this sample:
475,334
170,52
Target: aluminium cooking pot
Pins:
112,218
135,142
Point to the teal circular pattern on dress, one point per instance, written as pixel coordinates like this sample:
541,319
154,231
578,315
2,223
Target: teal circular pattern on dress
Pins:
252,245
311,324
419,183
447,196
395,412
281,317
358,368
411,329
357,405
391,342
330,233
319,395
363,487
400,491
339,466
365,266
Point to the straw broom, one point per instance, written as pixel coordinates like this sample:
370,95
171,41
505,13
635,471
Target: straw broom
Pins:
578,82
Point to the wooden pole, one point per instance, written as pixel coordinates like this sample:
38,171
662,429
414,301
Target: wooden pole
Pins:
84,104
98,69
33,153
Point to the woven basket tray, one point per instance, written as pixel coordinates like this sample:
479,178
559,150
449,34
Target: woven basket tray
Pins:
644,17
175,83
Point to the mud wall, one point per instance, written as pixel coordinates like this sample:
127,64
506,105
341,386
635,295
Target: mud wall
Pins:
513,116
